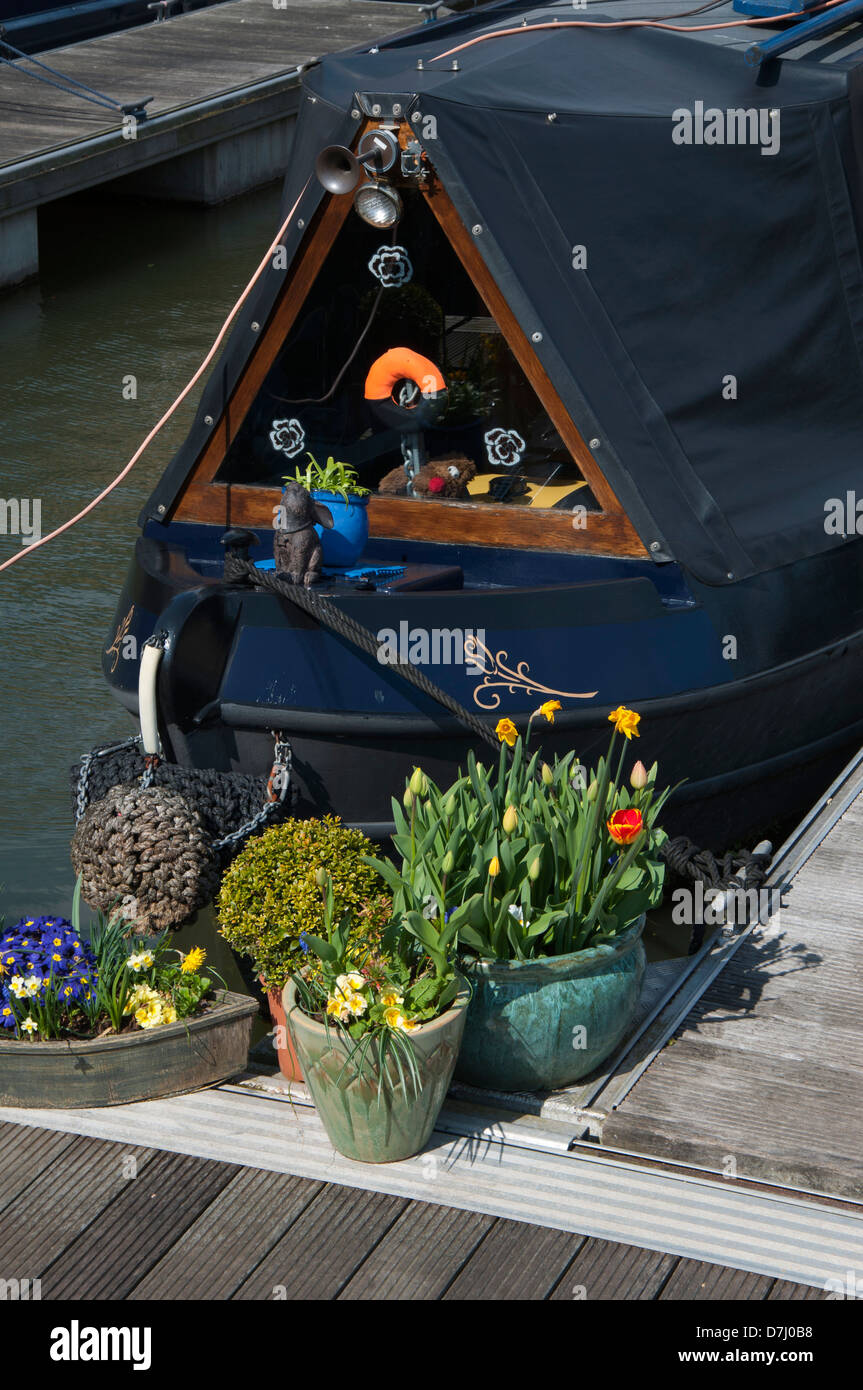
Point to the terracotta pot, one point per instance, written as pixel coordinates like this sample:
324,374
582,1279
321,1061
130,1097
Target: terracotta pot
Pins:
287,1057
364,1122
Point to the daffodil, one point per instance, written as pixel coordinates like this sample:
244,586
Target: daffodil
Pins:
29,1025
142,960
625,721
506,731
548,708
193,960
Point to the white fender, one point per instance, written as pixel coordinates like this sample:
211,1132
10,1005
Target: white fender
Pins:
148,709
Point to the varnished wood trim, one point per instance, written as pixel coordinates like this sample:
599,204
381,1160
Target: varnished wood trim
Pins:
202,499
448,523
322,232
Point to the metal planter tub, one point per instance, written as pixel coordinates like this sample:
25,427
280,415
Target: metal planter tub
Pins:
165,1061
363,1123
541,1024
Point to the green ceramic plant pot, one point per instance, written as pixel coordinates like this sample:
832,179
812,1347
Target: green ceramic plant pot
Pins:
359,1123
542,1024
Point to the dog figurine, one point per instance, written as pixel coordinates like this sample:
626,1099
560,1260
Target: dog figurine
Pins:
297,548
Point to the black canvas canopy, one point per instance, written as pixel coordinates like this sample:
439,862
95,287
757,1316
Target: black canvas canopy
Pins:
711,338
698,306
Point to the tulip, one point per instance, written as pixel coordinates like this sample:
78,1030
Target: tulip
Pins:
534,867
547,775
321,877
625,826
638,776
593,790
419,782
448,862
494,867
407,799
450,807
510,820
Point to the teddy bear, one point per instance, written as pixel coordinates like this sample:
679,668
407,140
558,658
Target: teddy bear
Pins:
446,477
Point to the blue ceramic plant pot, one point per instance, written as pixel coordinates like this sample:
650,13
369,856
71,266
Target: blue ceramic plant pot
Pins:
541,1024
344,545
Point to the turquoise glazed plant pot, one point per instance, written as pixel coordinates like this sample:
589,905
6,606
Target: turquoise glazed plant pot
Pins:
363,1122
345,543
538,1025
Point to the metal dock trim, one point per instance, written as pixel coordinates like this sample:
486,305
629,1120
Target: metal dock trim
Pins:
596,1195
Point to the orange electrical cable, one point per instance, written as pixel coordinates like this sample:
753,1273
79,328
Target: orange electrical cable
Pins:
632,24
179,400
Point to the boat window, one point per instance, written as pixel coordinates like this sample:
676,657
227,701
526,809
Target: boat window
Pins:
480,435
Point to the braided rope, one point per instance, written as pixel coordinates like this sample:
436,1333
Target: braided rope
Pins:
680,854
362,637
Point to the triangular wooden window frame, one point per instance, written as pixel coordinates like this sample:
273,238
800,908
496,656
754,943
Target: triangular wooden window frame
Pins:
203,499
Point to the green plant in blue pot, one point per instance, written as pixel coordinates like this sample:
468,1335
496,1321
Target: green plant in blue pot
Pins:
546,873
335,485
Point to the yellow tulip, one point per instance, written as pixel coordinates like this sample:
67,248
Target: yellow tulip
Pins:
547,775
494,867
510,820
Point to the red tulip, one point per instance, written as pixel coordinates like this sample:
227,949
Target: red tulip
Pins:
626,826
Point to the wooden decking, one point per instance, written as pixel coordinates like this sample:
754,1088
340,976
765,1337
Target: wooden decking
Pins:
766,1073
211,1230
212,73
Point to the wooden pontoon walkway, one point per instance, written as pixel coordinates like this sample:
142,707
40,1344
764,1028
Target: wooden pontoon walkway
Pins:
211,1230
225,86
765,1075
231,48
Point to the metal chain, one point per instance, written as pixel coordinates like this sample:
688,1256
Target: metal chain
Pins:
280,779
82,795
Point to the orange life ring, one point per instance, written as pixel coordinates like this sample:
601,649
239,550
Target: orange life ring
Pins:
400,364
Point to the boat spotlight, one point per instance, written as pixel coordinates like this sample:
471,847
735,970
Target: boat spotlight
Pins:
378,204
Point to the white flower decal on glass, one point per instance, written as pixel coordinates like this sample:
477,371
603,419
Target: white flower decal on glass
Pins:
392,266
503,448
287,436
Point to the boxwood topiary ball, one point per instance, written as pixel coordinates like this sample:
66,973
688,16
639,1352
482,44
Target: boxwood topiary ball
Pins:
269,895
